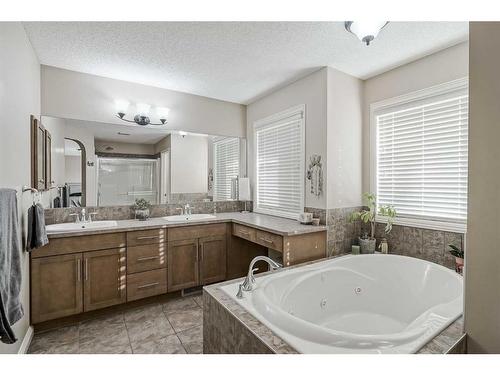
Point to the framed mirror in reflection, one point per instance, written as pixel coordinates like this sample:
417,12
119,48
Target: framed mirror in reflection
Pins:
96,164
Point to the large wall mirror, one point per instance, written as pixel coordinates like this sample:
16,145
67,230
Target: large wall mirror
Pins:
96,164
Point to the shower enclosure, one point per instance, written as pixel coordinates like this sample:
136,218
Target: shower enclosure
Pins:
120,181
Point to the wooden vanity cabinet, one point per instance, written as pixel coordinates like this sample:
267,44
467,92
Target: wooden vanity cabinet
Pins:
196,256
56,287
104,278
182,264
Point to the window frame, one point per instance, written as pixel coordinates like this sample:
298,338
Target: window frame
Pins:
299,110
378,108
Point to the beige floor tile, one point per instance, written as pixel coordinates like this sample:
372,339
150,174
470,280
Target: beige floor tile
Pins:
166,345
147,322
59,341
184,320
192,340
179,304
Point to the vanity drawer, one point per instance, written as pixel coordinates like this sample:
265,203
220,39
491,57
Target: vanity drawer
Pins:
146,257
244,232
146,284
196,231
270,240
145,237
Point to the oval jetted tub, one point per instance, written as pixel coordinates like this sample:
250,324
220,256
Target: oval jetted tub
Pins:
357,304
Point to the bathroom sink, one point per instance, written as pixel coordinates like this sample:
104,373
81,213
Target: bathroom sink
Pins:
185,218
69,227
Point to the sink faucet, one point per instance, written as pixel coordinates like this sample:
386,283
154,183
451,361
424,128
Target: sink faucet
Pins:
187,209
249,282
82,216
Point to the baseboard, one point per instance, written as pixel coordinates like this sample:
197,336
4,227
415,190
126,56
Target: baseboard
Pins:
23,349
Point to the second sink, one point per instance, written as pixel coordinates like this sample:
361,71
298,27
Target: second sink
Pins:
187,218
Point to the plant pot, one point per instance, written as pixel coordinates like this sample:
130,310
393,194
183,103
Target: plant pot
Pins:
367,245
459,265
142,214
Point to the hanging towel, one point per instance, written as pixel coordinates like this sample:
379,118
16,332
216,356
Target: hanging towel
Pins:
37,235
11,309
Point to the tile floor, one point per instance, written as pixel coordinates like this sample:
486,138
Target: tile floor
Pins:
173,327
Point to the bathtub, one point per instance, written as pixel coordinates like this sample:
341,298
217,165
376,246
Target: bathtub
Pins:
356,304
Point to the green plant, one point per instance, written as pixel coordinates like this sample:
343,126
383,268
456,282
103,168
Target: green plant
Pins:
456,252
141,204
368,216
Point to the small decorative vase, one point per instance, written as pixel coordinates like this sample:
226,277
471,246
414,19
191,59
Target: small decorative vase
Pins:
367,245
142,214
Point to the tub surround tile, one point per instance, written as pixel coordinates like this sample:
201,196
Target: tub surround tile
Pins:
342,233
229,328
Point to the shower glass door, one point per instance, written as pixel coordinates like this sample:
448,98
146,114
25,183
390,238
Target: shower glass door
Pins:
120,181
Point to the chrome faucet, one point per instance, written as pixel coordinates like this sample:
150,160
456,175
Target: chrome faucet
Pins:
82,216
187,209
249,282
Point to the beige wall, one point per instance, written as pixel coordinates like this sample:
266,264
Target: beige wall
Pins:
19,98
188,164
125,148
311,91
344,134
482,278
444,66
79,96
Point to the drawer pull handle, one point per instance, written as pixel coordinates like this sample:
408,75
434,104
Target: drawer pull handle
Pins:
266,240
79,270
147,237
148,285
145,259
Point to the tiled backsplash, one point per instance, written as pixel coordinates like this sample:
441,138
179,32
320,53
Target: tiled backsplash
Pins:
420,243
62,215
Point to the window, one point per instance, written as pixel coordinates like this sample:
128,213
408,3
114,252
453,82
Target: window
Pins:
279,164
226,166
420,161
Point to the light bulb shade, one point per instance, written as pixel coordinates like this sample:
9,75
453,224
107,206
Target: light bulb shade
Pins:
121,106
366,31
143,109
162,112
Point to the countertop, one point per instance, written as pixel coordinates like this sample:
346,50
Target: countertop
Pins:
273,224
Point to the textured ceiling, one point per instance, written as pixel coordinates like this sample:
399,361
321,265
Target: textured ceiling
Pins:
233,61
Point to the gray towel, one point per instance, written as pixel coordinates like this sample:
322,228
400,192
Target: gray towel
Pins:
37,235
11,309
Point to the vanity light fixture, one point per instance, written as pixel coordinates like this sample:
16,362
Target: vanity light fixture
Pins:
142,116
366,31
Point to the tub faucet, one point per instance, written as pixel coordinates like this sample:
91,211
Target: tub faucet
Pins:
249,282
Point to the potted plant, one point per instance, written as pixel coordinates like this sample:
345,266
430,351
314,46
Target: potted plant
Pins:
141,207
459,257
367,243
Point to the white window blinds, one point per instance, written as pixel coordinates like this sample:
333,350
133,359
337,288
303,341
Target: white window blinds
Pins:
279,164
421,166
226,166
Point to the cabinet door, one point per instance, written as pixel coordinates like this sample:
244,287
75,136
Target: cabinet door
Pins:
212,259
56,287
182,264
104,278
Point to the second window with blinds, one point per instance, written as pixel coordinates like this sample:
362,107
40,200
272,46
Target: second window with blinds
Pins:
226,162
419,156
279,163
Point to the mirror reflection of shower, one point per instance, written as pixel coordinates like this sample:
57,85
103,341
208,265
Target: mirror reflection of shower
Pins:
120,181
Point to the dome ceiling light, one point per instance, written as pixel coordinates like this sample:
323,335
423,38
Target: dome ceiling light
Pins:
366,31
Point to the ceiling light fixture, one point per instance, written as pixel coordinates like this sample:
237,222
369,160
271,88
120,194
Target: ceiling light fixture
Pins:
142,116
366,31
